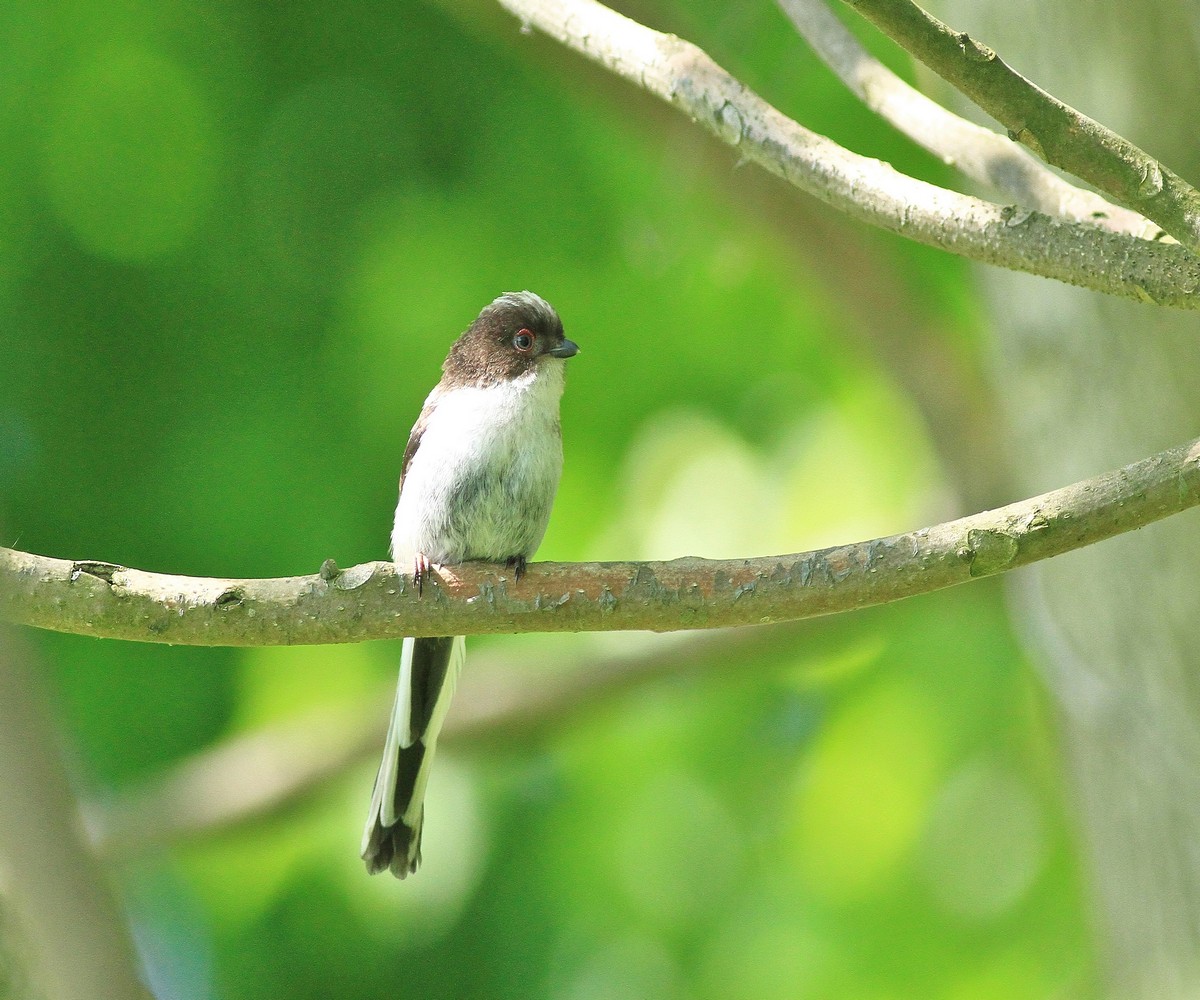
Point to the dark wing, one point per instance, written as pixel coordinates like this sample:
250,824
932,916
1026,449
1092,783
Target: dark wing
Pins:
414,438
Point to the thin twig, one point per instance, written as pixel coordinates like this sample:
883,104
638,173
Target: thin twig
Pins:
372,601
681,74
1054,131
978,153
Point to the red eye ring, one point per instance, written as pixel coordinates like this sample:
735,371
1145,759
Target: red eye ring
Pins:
523,341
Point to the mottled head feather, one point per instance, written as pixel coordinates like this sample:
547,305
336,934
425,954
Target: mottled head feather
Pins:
485,353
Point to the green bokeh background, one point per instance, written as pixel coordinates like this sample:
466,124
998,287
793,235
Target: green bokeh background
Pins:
236,240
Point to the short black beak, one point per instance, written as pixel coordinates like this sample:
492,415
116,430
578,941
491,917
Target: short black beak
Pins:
567,349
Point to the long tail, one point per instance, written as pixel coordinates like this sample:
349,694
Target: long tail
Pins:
429,670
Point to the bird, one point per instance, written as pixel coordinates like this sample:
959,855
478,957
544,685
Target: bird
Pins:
477,482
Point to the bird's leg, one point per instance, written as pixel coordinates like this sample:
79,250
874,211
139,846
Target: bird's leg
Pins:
421,567
517,565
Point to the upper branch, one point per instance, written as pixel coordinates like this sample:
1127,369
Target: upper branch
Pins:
372,601
979,153
1056,132
866,189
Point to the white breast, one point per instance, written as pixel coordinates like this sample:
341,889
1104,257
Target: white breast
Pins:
483,478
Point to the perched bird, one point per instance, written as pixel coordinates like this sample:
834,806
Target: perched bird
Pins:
477,482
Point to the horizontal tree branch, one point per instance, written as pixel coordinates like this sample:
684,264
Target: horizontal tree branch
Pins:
372,601
866,189
1053,130
978,153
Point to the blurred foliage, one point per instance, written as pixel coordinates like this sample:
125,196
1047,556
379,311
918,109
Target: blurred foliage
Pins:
236,240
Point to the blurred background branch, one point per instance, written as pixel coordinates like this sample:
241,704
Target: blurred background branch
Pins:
499,701
67,927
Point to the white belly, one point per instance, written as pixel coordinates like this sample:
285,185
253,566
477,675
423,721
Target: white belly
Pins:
483,479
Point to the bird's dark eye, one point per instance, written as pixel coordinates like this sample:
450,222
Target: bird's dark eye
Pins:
523,341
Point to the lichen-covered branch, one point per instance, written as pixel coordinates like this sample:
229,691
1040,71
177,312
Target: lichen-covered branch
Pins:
866,189
372,601
1053,130
978,153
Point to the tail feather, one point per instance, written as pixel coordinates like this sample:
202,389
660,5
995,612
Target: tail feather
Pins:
429,670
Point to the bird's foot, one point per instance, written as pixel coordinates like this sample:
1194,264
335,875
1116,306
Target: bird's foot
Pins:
517,565
421,568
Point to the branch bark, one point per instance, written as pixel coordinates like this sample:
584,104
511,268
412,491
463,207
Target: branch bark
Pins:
867,190
978,153
372,601
1053,130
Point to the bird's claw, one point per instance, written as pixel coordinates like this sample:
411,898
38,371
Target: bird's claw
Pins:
421,568
517,565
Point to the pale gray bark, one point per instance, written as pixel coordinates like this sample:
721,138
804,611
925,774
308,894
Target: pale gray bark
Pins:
1087,380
